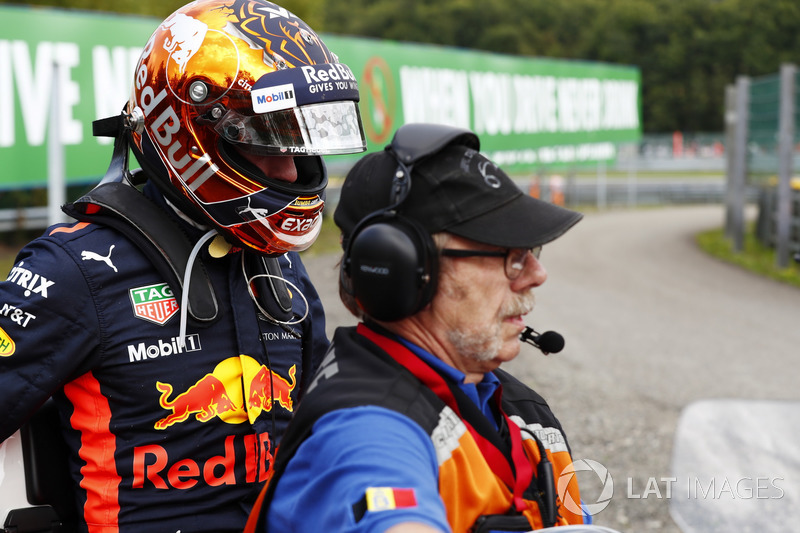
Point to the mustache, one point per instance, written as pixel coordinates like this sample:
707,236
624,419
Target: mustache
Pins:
522,304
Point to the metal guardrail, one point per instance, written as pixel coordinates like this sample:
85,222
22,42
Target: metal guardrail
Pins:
619,191
576,192
23,218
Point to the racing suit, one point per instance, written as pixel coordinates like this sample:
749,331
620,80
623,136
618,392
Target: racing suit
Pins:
164,435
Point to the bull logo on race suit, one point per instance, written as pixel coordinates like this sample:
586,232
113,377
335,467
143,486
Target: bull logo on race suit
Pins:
222,394
267,387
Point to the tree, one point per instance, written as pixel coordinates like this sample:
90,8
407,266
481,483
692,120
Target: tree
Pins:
687,50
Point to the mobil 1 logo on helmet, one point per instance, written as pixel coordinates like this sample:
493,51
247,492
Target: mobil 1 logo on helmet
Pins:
155,303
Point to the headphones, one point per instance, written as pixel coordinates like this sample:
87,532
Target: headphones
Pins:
390,264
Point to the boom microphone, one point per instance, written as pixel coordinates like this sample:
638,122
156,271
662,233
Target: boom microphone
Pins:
548,342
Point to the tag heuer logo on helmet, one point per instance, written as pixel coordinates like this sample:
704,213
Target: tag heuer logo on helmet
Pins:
154,303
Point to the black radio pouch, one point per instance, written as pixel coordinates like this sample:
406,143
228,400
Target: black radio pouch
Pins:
500,523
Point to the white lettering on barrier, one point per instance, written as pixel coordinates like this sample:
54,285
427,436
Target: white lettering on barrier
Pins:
494,104
537,109
6,96
555,154
487,102
621,104
435,95
32,76
112,75
503,104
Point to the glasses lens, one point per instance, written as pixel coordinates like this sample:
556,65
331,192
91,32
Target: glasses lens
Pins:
516,259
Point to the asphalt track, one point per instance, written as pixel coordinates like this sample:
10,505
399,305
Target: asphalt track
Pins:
652,324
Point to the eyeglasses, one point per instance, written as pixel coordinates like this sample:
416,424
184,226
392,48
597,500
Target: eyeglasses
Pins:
515,258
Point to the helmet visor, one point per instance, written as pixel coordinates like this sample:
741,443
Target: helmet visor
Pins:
327,128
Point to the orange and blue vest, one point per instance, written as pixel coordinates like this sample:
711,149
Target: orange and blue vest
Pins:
487,477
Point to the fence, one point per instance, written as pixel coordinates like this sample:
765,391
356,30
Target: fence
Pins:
23,218
761,124
766,223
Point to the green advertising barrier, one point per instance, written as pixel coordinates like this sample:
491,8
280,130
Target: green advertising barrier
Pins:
530,113
96,55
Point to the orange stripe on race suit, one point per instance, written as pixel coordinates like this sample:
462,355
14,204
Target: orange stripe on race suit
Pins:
91,417
70,229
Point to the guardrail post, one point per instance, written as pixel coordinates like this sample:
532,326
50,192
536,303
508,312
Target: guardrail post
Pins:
785,160
738,175
730,150
56,188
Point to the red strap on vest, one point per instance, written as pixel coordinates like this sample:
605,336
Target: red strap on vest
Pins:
497,461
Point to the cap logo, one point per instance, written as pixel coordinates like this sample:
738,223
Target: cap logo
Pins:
490,179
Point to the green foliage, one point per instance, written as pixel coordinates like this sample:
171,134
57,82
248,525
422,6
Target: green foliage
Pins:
155,8
688,50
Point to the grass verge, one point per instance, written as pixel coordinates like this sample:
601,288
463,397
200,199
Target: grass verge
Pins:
755,256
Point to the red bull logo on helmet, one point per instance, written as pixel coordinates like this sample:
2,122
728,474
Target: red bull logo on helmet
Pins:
238,390
186,37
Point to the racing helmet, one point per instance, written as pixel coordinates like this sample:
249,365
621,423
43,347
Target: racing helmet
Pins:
219,77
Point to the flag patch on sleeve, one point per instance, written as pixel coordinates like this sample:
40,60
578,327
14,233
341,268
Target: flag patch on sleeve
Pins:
384,499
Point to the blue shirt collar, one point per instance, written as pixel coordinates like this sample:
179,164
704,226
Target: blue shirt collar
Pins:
481,393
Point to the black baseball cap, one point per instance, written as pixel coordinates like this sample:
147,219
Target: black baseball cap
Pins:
456,190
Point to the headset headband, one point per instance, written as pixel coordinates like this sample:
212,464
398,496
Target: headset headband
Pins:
412,143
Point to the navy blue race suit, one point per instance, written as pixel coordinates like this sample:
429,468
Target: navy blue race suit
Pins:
163,437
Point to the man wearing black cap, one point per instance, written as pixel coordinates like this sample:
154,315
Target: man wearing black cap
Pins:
410,425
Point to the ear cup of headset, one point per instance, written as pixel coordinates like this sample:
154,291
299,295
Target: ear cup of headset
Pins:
390,267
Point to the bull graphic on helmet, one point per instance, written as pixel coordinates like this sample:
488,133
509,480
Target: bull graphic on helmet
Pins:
219,83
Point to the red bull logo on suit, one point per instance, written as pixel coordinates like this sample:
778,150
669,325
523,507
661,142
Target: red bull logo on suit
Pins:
238,390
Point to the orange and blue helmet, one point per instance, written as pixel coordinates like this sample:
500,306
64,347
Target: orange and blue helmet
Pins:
223,77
